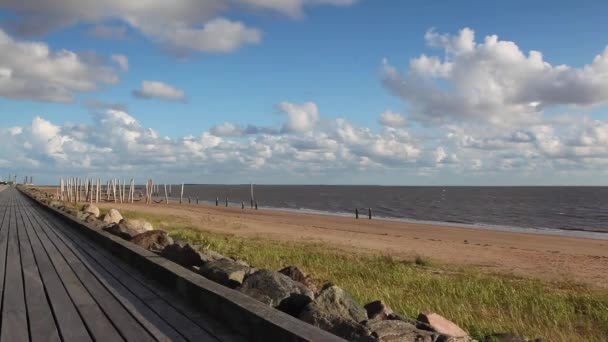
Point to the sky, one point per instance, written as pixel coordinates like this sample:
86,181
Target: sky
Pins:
305,91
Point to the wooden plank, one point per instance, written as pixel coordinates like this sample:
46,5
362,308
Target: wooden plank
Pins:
93,317
129,328
184,318
40,316
3,238
144,307
70,324
14,313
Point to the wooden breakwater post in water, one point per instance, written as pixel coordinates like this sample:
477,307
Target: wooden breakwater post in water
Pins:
252,198
357,213
217,201
226,201
370,213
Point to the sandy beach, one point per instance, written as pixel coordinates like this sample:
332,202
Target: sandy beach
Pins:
539,256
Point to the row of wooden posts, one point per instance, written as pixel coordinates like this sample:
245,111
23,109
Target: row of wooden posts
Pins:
92,191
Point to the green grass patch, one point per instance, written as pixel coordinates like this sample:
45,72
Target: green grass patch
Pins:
480,302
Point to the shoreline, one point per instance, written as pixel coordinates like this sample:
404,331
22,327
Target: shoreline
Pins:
575,233
546,257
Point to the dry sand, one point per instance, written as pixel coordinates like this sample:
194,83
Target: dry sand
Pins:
530,255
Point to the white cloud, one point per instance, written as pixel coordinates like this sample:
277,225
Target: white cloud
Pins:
31,70
392,119
159,90
122,61
493,82
300,118
179,25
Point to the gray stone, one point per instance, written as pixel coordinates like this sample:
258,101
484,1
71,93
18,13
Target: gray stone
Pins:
277,290
89,208
127,229
56,204
393,330
139,226
225,272
333,300
154,240
186,255
112,216
296,274
377,310
435,322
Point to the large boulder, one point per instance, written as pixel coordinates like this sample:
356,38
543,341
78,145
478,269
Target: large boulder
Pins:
377,310
277,290
296,274
89,208
435,322
333,300
392,330
226,272
154,240
127,229
334,310
186,255
139,226
112,216
56,204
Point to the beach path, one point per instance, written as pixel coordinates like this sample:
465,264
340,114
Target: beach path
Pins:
58,286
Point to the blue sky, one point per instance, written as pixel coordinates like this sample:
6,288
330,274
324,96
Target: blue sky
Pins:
329,54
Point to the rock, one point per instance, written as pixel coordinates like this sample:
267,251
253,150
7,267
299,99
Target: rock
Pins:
377,310
112,216
89,208
387,330
435,322
186,255
333,300
154,240
296,274
127,229
277,290
209,255
56,204
139,226
225,272
504,337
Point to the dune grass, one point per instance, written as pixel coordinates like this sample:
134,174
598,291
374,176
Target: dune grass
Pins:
480,302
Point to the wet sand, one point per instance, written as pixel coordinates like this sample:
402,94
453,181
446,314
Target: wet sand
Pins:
538,256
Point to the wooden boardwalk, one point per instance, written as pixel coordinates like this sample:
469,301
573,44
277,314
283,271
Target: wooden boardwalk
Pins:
56,285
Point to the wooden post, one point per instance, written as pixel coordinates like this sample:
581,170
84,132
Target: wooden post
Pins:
226,201
196,199
356,213
217,201
181,194
256,205
166,196
189,200
242,205
370,213
251,189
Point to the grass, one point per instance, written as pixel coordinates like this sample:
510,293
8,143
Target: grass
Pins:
480,302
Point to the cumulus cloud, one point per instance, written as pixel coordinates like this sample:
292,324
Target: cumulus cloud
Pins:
493,81
300,117
159,90
31,70
392,119
180,25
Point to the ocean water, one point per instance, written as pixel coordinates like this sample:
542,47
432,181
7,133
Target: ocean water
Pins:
565,209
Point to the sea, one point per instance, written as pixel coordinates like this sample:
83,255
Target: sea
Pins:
574,211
